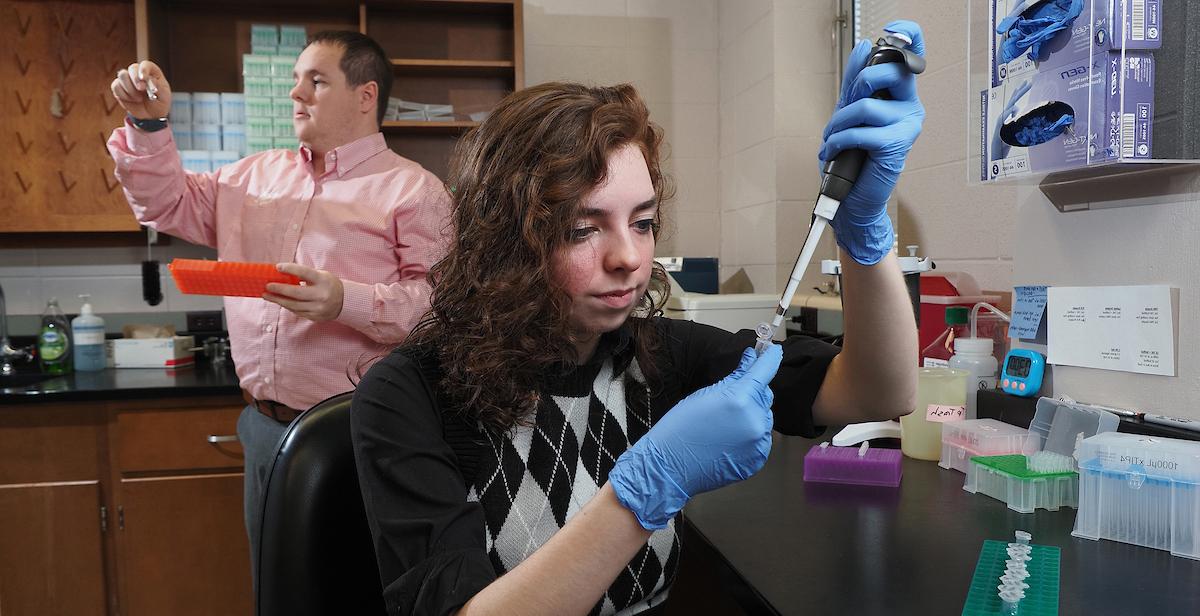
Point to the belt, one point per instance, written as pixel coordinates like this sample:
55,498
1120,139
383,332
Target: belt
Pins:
272,409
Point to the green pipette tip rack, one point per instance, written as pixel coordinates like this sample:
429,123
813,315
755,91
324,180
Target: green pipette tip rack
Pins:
1041,598
1017,466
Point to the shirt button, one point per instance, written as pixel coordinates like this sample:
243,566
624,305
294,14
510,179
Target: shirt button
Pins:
295,226
267,380
269,328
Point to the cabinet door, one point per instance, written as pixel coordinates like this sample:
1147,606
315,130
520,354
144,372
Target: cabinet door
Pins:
183,546
51,560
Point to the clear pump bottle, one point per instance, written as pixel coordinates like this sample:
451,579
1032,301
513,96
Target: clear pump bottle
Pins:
88,331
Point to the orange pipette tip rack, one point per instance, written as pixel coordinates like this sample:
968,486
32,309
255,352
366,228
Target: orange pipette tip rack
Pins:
201,277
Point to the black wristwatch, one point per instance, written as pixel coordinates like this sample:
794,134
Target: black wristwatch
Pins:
148,125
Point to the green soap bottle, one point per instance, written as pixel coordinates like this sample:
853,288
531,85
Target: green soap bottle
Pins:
54,340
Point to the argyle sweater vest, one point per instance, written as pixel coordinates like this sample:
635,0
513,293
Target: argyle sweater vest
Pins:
531,481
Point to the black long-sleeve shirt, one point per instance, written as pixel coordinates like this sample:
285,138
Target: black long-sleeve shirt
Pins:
451,507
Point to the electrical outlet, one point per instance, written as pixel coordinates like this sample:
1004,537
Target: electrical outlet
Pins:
205,321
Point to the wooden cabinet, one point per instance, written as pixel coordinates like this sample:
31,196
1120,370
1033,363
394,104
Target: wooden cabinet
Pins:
57,114
51,559
181,536
123,508
183,546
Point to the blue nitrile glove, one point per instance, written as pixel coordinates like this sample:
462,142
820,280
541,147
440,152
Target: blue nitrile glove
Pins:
1000,149
886,129
1033,23
714,437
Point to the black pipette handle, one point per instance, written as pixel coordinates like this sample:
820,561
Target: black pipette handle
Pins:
843,170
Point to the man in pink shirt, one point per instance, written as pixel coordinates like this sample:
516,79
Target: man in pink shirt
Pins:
358,224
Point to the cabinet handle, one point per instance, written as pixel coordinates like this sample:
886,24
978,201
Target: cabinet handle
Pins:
121,517
222,438
103,519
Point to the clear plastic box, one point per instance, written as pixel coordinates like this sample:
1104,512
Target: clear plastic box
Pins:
292,36
281,67
1059,427
206,108
181,108
255,145
1141,490
1008,478
281,87
258,86
233,108
254,65
282,127
264,34
281,107
1111,85
962,440
259,107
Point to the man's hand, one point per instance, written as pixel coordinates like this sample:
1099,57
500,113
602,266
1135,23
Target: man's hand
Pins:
318,297
134,85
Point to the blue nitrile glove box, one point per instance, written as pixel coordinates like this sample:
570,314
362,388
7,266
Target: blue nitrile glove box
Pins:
694,274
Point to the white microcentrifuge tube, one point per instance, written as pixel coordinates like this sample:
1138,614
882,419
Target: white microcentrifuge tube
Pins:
1023,537
765,332
862,450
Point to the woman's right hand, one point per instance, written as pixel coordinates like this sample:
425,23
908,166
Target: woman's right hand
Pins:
716,436
132,86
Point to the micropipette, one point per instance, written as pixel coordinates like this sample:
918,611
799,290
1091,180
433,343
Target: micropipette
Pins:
839,176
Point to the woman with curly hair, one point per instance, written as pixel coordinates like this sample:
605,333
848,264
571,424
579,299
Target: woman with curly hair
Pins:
527,449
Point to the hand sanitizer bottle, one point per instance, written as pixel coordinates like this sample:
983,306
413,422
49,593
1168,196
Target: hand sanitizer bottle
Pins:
88,331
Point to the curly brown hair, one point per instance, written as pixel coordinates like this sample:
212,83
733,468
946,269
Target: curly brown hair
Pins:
499,319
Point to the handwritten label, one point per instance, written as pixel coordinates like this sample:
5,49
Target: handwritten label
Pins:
942,413
1028,309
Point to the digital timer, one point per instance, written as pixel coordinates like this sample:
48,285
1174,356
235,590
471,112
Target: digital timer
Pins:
1022,373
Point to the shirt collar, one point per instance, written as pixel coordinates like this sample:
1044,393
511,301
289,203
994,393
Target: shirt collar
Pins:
344,158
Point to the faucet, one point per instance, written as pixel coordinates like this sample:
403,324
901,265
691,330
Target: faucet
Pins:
7,351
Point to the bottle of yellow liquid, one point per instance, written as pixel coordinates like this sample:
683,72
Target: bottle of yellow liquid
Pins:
941,396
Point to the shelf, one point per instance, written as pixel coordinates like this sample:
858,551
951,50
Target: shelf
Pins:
456,126
502,68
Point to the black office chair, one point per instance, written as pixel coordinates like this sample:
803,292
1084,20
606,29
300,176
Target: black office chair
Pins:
315,555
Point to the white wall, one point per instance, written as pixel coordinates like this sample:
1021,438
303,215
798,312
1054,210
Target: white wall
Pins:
777,92
111,275
668,50
1010,234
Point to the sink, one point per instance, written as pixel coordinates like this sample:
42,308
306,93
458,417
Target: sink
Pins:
24,379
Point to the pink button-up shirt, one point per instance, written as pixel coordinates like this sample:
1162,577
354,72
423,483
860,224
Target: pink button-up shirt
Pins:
374,219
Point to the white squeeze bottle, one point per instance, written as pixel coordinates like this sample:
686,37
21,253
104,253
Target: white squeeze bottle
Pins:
974,355
87,330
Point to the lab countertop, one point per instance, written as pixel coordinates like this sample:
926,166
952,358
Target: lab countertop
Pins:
203,379
792,547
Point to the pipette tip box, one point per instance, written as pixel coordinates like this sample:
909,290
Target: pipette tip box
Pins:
966,439
229,278
853,465
1009,479
1141,490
